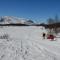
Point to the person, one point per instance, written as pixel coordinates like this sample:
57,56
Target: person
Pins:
44,35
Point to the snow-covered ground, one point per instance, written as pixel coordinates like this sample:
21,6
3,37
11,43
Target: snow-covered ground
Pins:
26,43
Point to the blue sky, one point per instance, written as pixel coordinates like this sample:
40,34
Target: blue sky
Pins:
37,10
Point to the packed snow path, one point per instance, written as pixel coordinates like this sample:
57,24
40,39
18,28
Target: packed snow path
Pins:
26,43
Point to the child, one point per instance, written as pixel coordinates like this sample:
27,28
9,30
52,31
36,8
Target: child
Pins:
44,35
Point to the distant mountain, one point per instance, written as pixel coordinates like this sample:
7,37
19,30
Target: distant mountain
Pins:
14,20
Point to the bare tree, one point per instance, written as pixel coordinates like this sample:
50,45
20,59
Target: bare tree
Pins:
56,20
53,24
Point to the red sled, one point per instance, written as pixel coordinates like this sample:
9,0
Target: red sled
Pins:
50,37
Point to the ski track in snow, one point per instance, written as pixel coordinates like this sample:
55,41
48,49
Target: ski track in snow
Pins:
26,43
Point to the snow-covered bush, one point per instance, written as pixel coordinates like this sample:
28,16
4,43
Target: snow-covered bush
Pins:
5,36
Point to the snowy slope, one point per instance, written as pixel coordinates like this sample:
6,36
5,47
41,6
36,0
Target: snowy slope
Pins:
26,43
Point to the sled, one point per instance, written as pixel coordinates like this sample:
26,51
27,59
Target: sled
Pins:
50,37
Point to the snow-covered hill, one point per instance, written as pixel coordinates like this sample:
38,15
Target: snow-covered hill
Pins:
11,19
26,43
